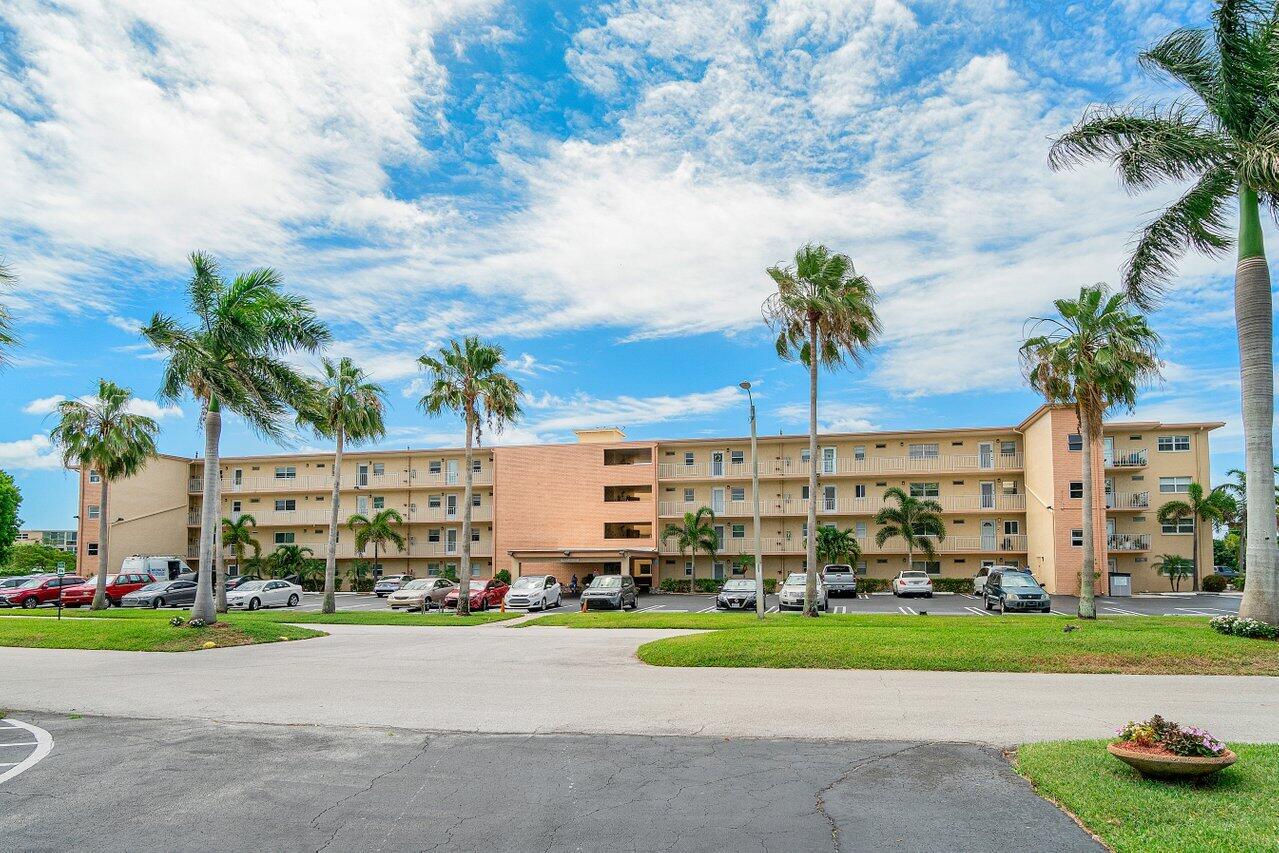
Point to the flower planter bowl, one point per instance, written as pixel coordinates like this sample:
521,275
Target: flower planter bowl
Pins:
1168,766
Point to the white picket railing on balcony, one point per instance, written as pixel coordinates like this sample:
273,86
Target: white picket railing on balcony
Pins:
1128,500
1127,459
274,518
352,482
1009,544
845,466
842,506
1128,542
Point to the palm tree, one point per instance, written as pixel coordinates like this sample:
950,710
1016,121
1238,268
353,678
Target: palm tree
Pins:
1175,567
467,379
915,521
8,338
1224,136
101,434
696,533
233,357
380,530
289,560
837,546
1212,507
1237,488
344,406
237,534
824,314
1094,358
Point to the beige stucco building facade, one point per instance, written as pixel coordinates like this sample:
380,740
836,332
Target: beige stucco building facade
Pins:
1010,495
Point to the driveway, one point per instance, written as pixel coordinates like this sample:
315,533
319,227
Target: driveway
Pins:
205,786
560,680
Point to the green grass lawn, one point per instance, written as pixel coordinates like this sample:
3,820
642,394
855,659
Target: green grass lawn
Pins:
1172,645
379,617
143,635
1233,810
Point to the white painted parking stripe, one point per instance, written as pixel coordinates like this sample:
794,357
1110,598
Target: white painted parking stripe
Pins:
1219,609
43,746
978,612
772,609
1059,613
907,611
707,609
840,608
653,607
1123,612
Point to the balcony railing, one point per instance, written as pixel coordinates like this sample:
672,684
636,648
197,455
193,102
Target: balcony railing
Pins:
1130,459
845,466
1128,500
1010,544
324,482
346,550
841,506
1128,542
421,515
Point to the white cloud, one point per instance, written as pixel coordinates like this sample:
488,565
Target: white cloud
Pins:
527,365
833,416
36,453
125,324
44,405
152,409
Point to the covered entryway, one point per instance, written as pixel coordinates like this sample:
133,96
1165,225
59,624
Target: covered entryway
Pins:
566,562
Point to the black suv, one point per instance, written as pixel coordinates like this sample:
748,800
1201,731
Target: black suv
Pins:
614,592
1013,590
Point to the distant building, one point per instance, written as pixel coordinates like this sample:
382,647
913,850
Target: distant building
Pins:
63,539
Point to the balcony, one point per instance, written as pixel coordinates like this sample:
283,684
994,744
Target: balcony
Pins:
772,507
1122,501
324,482
1128,542
320,516
1130,459
1010,544
844,466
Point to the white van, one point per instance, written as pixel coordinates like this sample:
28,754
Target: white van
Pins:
162,568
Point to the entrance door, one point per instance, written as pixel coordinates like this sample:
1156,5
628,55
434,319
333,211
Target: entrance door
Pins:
828,460
450,540
988,494
828,498
237,476
450,472
986,455
362,475
1110,493
717,500
988,535
1108,449
719,537
450,506
362,504
717,464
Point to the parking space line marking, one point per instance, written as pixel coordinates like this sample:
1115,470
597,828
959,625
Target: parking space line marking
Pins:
773,609
43,743
1124,612
1059,613
707,609
653,607
840,608
907,611
978,612
1221,609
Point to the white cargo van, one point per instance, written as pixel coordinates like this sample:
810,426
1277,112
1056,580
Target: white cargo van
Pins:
162,568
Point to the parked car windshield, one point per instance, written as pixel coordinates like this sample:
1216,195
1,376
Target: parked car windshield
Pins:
739,586
610,582
31,584
250,586
528,581
422,584
1018,579
795,579
155,587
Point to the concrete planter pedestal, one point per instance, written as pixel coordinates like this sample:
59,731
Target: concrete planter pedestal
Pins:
1171,766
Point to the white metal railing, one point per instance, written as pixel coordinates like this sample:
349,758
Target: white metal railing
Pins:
1003,544
1129,459
841,506
273,518
351,482
846,466
1128,542
1128,500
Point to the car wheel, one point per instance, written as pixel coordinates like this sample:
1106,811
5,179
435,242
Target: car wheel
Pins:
293,600
254,604
985,602
1001,609
157,603
928,595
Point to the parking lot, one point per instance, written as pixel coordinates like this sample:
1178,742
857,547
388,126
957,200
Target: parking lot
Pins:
1194,604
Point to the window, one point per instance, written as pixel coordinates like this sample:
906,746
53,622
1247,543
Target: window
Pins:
286,505
475,534
1074,441
1173,485
803,493
433,502
235,506
1174,443
804,455
717,570
933,567
859,490
859,529
475,499
475,466
688,457
923,451
91,549
1077,538
94,511
924,490
737,457
1181,525
284,538
859,452
475,571
689,496
739,531
688,568
379,469
379,502
737,493
286,472
1076,490
433,535
95,477
433,467
432,570
1012,527
1008,448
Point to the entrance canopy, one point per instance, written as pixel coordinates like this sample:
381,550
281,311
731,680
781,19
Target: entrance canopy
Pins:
618,556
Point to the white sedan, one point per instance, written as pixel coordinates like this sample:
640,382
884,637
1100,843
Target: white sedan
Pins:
534,592
254,594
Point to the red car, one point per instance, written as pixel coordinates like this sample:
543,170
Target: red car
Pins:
483,595
118,586
37,591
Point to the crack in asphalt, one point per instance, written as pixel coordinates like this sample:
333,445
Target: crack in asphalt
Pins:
426,743
863,763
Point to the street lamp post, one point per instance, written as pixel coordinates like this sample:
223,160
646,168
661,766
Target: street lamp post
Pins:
759,549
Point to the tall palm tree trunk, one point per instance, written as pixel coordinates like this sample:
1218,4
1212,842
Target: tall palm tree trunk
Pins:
1243,545
331,549
104,530
1254,318
810,575
464,590
203,607
219,547
1087,602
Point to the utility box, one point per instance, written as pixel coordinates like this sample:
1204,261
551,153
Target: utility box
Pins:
1120,584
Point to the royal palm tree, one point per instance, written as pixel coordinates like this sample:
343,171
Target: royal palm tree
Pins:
695,533
101,434
1222,137
837,546
915,521
378,530
467,379
1094,356
824,315
289,560
1212,507
8,337
237,534
233,357
344,406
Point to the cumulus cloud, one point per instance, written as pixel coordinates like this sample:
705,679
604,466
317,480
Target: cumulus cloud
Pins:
36,453
44,405
833,416
138,406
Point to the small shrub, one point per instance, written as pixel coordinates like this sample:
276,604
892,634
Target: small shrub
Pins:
872,585
770,586
196,623
1177,739
504,576
1251,628
1214,583
667,585
1238,583
708,585
952,584
177,621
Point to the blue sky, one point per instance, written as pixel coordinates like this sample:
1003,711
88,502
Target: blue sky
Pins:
597,187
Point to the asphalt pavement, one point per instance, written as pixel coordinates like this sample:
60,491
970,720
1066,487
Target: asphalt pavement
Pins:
141,785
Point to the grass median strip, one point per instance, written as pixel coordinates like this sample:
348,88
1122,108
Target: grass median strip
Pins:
1145,645
377,617
1232,810
143,635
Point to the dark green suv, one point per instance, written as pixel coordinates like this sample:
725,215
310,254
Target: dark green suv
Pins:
1016,591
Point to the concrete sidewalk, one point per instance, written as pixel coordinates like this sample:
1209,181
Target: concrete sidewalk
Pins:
543,680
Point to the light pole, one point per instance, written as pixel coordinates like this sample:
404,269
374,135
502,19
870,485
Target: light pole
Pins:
759,557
